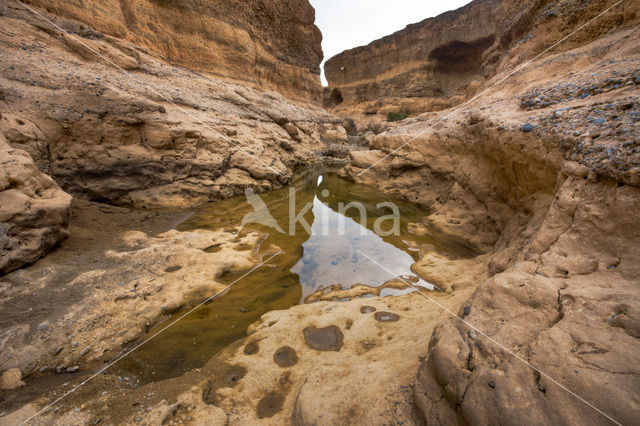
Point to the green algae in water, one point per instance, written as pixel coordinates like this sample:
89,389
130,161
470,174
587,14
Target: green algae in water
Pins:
328,255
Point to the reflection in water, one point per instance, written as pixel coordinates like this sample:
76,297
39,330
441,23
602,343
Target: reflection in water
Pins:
310,261
332,255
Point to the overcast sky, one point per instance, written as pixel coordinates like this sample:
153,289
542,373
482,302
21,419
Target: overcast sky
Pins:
351,23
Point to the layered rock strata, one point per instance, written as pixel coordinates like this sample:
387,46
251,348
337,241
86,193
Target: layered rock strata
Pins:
112,123
443,61
272,45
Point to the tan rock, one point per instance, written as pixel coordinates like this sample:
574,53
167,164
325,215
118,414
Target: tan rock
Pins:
11,379
34,211
284,55
164,136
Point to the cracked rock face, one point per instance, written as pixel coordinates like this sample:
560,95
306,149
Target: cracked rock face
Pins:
34,211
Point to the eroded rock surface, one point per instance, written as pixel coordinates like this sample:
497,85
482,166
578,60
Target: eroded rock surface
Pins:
34,211
443,61
547,193
155,136
274,45
107,286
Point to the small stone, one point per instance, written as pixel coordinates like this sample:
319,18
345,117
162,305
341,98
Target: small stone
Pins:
74,344
42,326
467,310
73,369
492,384
527,128
85,350
11,379
473,334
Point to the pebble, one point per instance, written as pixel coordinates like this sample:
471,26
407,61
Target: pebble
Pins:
73,369
473,334
42,326
527,128
85,350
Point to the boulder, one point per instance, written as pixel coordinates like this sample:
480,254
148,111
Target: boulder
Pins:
336,150
34,211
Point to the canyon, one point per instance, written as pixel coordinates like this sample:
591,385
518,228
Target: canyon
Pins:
131,131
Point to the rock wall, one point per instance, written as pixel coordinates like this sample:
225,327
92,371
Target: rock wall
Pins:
546,190
34,211
159,135
272,44
443,61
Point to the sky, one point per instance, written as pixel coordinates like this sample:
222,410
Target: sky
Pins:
350,23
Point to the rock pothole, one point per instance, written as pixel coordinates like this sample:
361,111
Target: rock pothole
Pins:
324,339
286,356
270,405
386,316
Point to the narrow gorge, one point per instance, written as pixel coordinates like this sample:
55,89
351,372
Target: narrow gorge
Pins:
194,231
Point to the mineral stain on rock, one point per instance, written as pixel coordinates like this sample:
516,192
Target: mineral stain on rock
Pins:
285,357
386,316
269,405
323,339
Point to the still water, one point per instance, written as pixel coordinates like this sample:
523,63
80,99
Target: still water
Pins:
324,240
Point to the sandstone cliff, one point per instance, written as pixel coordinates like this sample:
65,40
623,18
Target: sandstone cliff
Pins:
91,96
272,44
443,61
154,135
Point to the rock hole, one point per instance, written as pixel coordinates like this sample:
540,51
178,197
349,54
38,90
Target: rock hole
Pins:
323,339
285,357
252,348
269,405
386,316
367,309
